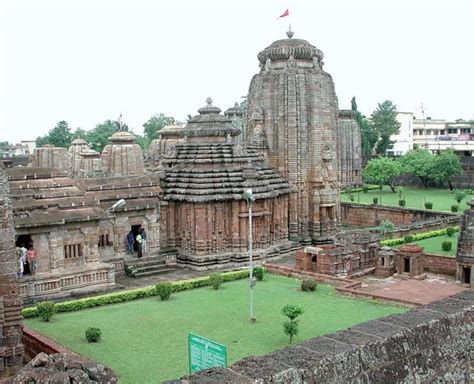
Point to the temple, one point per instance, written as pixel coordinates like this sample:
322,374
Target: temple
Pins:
291,146
465,251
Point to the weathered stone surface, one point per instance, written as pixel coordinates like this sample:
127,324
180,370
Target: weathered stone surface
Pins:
123,157
11,349
465,250
292,107
61,368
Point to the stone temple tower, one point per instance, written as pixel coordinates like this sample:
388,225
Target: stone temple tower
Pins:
293,111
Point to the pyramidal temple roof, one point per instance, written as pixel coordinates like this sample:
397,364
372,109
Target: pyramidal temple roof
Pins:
210,122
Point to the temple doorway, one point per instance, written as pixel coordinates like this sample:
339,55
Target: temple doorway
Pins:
466,275
24,241
136,230
406,265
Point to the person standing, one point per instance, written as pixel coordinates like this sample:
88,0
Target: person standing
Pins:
143,234
31,256
22,260
130,241
139,242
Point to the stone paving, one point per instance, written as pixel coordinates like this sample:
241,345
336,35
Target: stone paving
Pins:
431,289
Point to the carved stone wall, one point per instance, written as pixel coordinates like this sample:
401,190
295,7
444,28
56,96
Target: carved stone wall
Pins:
295,100
11,349
465,251
49,156
349,150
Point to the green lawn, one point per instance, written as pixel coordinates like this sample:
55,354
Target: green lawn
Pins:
145,341
442,199
433,245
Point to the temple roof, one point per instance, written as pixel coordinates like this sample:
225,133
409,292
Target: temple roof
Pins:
212,172
281,50
235,110
43,196
209,122
122,137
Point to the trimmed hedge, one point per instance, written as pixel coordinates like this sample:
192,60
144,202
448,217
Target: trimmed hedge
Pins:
135,294
368,187
416,237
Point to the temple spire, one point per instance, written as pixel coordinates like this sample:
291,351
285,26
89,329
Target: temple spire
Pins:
290,33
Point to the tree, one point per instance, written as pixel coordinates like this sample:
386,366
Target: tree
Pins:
419,163
367,133
155,123
80,133
385,124
59,136
290,327
382,171
99,135
445,166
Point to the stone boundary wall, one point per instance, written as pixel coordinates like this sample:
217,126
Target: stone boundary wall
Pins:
429,343
440,264
35,343
362,215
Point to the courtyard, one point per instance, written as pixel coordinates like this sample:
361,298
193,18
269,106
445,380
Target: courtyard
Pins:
146,340
442,198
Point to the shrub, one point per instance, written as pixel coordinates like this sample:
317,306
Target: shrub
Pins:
402,202
134,294
216,280
416,237
450,231
351,197
258,273
380,187
164,290
454,208
428,205
446,245
93,334
45,310
375,200
365,189
309,285
408,239
290,327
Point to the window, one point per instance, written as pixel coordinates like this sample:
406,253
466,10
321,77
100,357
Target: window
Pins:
452,130
104,240
465,130
72,251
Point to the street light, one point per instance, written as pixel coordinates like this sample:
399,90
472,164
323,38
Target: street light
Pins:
248,195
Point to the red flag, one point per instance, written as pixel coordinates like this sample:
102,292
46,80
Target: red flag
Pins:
286,13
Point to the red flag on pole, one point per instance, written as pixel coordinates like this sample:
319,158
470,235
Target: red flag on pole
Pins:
286,13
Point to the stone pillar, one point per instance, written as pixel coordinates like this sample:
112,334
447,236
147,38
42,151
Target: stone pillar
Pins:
11,349
465,251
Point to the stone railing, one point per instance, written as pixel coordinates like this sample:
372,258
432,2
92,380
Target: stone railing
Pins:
427,344
57,285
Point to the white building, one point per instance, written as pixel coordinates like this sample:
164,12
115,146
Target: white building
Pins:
432,134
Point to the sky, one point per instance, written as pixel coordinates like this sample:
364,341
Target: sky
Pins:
88,61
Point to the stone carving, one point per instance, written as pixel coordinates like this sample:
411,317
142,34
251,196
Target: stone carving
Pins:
257,113
268,65
291,62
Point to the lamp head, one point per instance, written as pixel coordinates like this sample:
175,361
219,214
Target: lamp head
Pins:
248,195
118,204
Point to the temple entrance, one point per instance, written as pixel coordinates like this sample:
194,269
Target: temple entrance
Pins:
136,230
24,241
314,263
406,265
466,275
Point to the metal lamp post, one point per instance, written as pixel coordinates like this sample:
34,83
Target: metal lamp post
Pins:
248,195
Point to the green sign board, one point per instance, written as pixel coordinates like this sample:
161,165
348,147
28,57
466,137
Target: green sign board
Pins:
204,353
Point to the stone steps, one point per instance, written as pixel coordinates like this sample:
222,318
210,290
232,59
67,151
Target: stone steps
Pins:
148,266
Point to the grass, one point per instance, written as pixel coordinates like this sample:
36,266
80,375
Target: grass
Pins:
145,341
433,245
442,199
